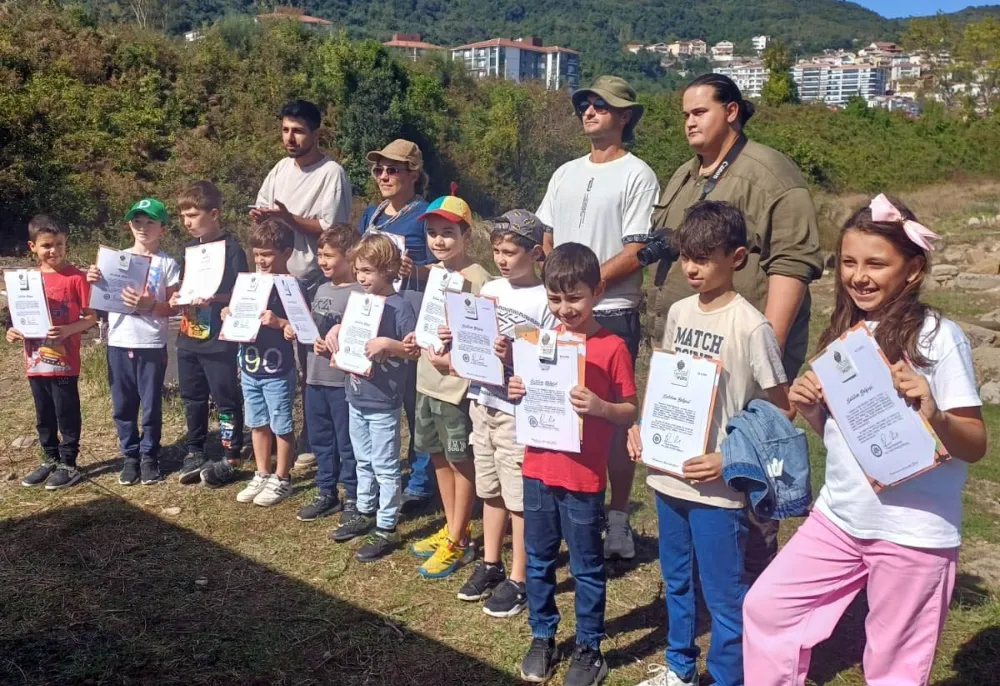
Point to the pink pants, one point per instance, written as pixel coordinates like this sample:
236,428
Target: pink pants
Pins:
801,596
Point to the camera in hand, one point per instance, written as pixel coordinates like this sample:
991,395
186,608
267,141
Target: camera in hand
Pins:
658,248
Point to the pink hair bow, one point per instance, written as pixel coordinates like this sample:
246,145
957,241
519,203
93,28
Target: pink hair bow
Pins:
884,211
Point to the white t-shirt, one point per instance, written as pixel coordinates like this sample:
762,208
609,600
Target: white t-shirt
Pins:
742,340
604,206
145,330
516,306
320,191
925,511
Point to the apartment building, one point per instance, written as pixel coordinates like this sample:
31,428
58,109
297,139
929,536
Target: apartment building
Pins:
760,43
688,48
410,46
523,59
723,51
835,83
750,76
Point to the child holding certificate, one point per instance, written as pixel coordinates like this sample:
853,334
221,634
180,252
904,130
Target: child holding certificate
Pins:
563,492
268,374
900,543
442,424
52,364
206,365
376,403
701,520
137,346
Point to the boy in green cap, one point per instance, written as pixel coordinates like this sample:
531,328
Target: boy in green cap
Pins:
137,347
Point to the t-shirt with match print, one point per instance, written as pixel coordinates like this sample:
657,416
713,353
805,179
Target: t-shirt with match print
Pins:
270,354
741,339
516,306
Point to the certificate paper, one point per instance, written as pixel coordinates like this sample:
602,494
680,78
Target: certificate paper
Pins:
249,300
889,439
362,317
29,310
677,410
474,329
432,313
120,269
204,266
296,310
545,418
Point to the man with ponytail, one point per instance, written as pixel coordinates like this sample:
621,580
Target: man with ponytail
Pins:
782,234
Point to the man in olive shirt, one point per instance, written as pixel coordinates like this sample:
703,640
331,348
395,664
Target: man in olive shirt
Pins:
781,222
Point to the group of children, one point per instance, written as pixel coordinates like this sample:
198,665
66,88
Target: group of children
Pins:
901,543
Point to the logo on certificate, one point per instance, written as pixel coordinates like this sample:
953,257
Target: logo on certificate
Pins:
657,439
465,357
533,422
470,308
680,374
876,450
366,306
22,279
253,284
845,367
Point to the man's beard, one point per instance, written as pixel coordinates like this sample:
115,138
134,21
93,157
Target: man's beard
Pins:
299,152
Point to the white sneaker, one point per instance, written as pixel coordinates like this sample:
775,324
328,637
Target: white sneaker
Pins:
275,490
618,537
253,489
665,677
304,460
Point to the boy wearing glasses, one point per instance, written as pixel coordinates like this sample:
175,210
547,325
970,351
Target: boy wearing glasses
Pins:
605,201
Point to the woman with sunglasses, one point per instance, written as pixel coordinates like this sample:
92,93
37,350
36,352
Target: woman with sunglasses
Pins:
398,170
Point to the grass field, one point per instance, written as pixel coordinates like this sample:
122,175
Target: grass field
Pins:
165,584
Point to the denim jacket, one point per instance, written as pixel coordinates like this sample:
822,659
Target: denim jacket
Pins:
760,442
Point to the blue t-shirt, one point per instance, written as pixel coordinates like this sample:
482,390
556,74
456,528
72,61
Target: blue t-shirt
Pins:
270,354
383,390
404,224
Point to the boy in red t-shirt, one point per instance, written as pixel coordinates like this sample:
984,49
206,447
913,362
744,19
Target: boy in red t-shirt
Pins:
564,492
53,364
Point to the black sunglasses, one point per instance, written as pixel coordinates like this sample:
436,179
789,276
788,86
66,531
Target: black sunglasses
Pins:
599,104
388,169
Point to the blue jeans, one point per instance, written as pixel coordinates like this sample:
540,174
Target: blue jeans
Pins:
135,376
375,435
551,515
329,425
422,479
716,538
268,401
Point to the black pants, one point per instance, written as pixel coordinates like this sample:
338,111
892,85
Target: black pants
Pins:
57,411
214,375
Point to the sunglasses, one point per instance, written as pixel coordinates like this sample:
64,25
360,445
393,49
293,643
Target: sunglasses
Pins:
599,105
388,169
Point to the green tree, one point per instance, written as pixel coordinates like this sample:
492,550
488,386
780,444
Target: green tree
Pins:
780,88
979,52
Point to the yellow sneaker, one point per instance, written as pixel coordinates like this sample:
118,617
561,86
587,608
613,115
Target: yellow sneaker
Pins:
426,547
446,559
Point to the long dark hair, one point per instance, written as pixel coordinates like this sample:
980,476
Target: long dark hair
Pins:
900,321
726,91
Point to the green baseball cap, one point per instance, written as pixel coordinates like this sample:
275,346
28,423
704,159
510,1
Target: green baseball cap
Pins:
615,91
151,207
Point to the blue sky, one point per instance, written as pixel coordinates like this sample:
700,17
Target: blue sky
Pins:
906,8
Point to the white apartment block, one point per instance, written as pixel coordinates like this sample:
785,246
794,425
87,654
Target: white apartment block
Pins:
835,84
524,59
722,51
749,76
760,43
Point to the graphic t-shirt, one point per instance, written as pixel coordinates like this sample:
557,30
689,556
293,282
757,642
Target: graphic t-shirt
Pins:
270,354
604,206
741,339
925,511
200,326
67,294
327,310
145,330
516,306
383,390
609,375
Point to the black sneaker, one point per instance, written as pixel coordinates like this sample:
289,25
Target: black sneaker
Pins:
377,545
587,667
352,524
481,583
540,661
411,504
508,600
234,457
63,477
217,473
150,472
130,473
38,477
191,469
321,506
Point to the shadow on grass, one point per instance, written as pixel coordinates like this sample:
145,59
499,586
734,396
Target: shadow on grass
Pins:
103,592
977,661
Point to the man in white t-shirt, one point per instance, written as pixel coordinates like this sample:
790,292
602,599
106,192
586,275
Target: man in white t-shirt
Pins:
605,201
307,189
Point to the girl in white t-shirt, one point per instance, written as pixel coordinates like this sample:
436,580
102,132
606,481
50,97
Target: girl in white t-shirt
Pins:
900,545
